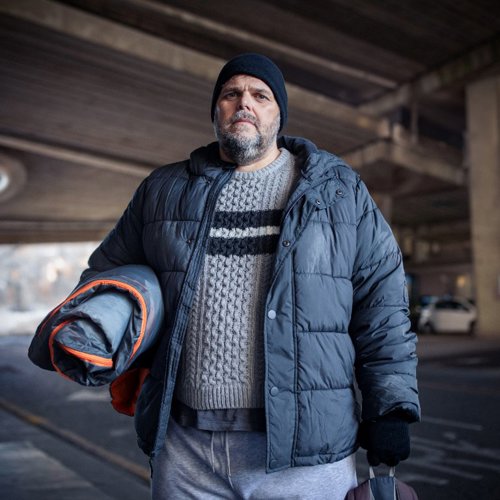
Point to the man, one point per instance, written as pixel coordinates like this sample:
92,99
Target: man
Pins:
282,284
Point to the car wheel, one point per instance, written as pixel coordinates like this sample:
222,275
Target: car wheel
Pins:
428,328
472,328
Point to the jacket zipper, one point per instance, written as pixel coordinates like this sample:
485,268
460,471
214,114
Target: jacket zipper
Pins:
293,202
276,270
187,294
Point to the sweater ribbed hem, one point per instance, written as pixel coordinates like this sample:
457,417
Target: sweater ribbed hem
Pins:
224,396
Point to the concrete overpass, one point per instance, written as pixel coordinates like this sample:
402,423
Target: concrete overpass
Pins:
96,93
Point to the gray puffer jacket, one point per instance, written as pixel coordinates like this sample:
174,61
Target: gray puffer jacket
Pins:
336,309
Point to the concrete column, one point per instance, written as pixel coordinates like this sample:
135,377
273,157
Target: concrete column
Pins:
483,125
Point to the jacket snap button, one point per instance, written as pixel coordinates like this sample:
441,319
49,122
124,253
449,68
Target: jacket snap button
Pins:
274,391
339,192
271,314
273,464
318,202
286,243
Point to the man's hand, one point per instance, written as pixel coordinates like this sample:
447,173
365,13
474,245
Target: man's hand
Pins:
387,440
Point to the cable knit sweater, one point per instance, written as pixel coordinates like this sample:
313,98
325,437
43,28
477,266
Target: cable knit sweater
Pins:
222,364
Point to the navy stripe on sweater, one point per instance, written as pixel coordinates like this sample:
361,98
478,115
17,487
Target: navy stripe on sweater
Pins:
242,246
255,218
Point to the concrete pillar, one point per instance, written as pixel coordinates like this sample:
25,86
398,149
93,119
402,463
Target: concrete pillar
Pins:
483,131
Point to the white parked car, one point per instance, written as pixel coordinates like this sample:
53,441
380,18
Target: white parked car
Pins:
448,315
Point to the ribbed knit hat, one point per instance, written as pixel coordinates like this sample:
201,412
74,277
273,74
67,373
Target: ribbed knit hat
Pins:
260,67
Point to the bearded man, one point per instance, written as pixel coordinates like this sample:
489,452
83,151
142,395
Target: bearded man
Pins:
283,287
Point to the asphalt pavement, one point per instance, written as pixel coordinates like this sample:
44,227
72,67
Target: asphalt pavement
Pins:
61,441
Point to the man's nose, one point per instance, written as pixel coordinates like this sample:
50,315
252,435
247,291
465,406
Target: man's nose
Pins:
245,101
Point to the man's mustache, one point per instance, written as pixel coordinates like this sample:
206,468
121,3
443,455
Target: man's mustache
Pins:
243,115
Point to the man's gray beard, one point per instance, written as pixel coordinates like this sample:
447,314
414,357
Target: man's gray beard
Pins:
244,150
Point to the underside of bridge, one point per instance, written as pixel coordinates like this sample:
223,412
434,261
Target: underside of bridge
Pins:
94,94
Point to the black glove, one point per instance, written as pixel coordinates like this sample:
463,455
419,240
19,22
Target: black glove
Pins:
387,440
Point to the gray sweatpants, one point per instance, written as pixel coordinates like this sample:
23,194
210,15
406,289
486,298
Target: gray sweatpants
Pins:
231,465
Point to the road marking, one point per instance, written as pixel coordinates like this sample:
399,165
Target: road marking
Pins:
474,463
76,440
30,471
88,395
116,433
460,446
429,464
462,388
452,423
473,361
455,458
413,477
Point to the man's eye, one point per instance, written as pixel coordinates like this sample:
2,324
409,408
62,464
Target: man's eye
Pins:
230,95
262,97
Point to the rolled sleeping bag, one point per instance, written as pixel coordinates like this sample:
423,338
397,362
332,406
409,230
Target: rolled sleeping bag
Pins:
104,325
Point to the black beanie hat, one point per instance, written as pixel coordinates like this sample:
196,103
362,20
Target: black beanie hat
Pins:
260,67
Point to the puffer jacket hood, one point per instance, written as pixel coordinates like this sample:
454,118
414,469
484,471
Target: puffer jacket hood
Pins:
206,161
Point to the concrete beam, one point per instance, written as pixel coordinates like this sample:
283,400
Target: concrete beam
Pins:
417,158
444,233
454,71
82,158
368,154
423,162
311,102
452,230
93,29
285,51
